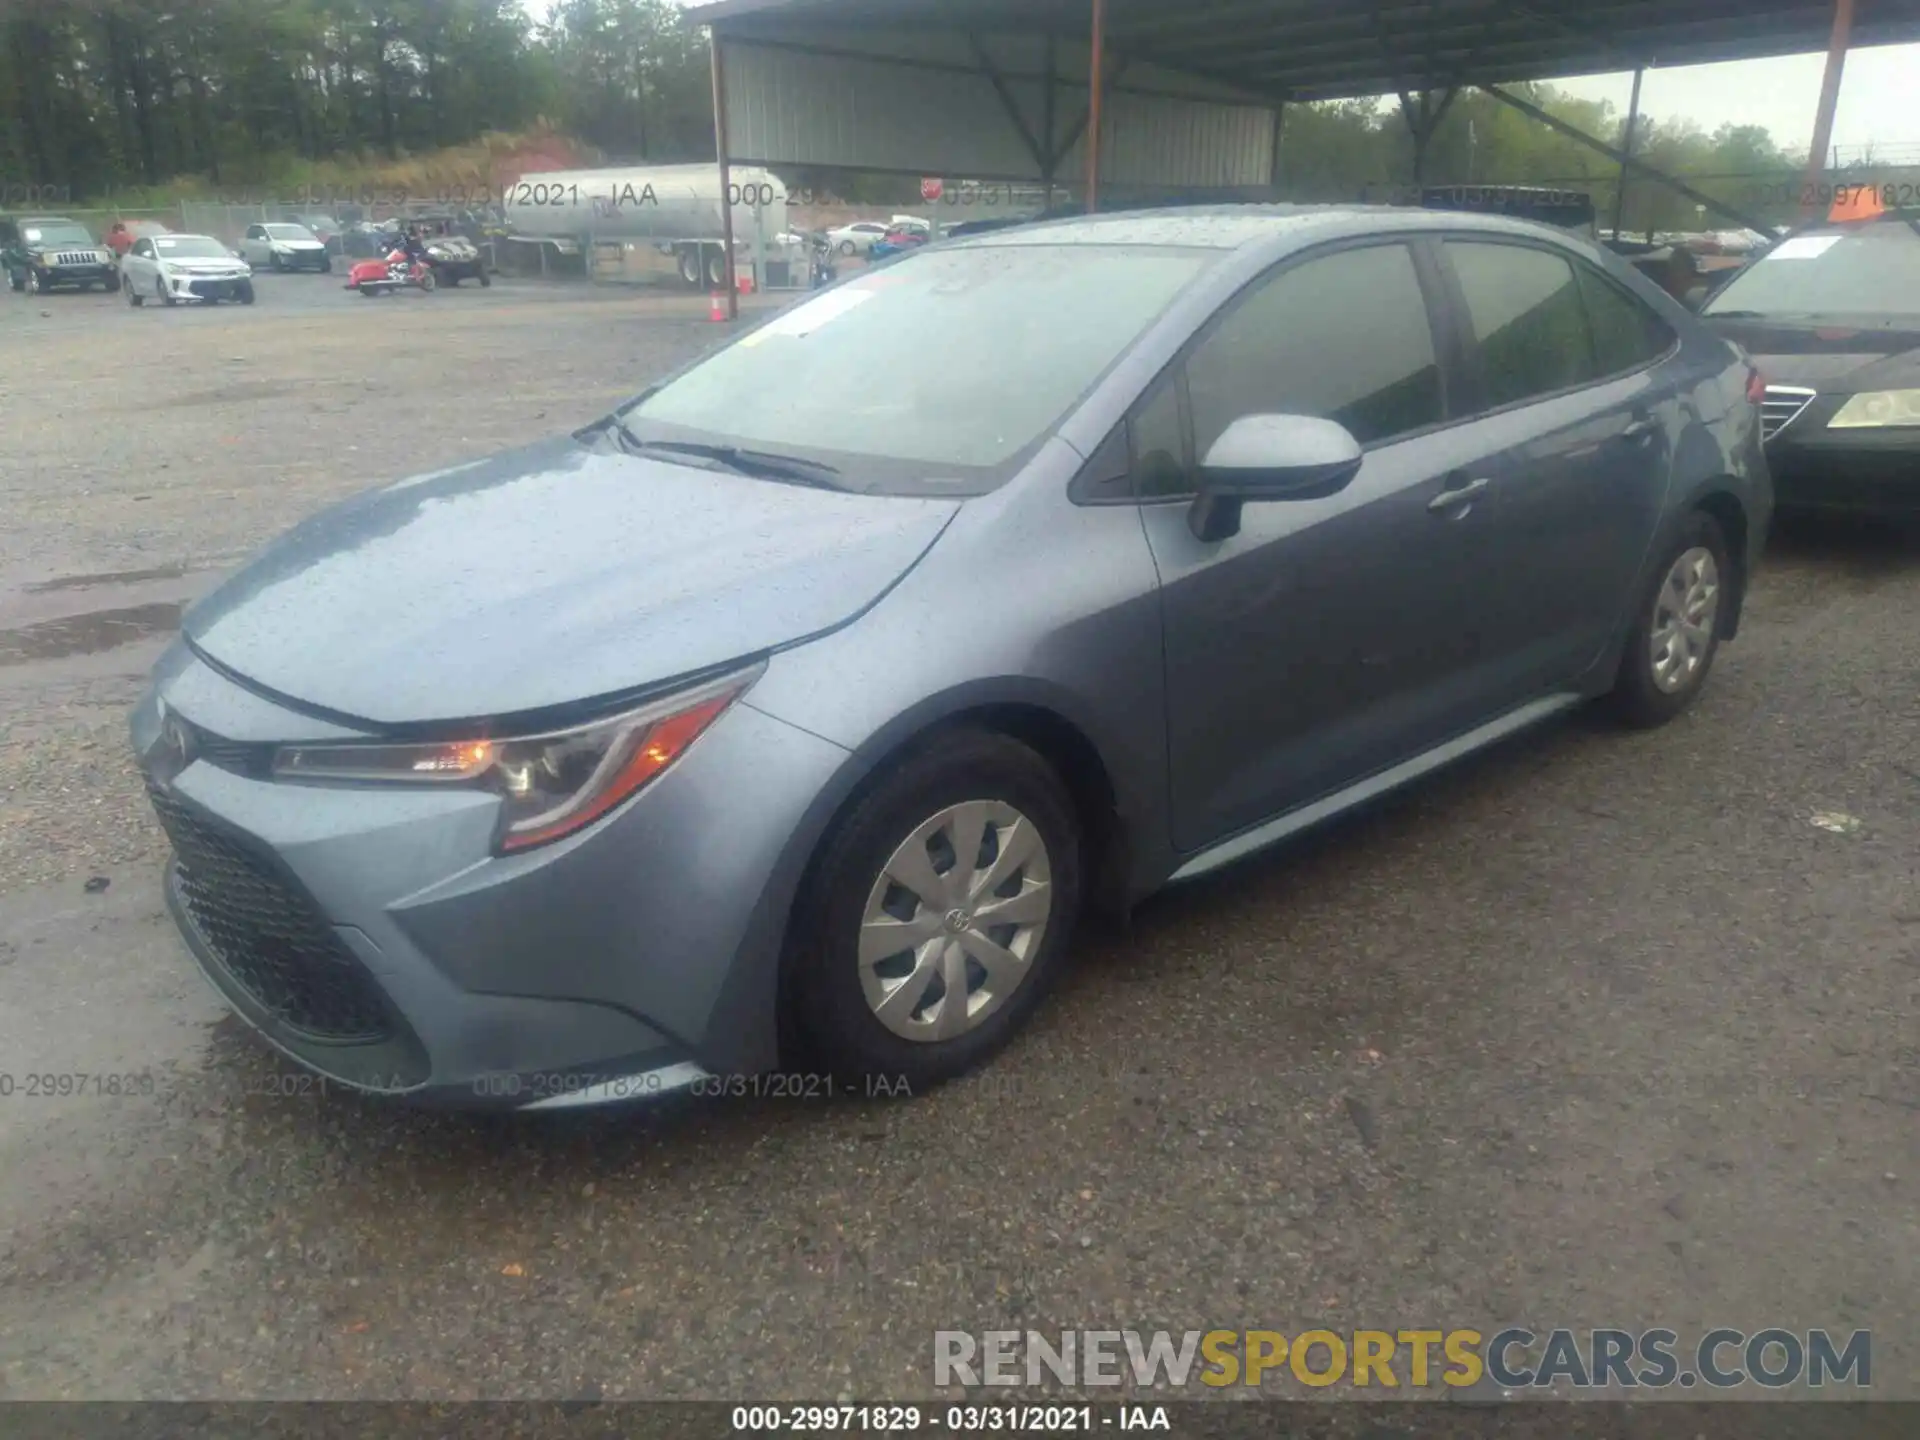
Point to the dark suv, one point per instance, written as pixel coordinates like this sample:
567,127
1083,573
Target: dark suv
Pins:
44,252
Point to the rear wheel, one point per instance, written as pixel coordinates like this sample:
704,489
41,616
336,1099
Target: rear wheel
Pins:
690,267
716,268
1676,627
427,282
939,912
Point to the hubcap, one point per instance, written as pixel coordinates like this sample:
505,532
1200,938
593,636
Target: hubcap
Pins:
954,921
1684,618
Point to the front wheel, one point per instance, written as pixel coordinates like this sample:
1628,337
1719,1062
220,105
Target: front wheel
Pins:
427,282
111,283
34,287
166,295
937,915
1676,627
246,294
135,298
486,281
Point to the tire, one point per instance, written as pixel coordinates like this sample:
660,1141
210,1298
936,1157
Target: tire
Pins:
135,298
1667,659
832,998
428,284
34,287
690,264
846,247
716,269
279,265
246,294
326,267
111,284
166,296
486,281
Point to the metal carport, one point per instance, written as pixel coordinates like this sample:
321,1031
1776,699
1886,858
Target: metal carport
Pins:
1142,93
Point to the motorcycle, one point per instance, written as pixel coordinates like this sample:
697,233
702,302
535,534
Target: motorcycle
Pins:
374,278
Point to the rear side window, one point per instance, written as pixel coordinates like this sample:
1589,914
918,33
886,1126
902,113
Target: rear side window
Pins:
1626,334
1526,313
1343,337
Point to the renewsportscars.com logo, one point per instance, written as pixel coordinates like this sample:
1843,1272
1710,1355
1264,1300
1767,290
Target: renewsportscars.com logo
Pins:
1514,1359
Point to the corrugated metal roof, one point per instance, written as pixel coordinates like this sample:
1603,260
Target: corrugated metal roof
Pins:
1309,49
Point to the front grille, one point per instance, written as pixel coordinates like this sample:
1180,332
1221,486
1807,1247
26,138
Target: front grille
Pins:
242,757
76,257
214,289
1782,404
268,936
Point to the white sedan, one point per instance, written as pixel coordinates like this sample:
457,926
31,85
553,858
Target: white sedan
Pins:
176,268
285,247
857,238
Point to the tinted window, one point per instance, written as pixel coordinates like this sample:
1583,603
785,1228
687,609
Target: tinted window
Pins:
1525,311
1159,448
1626,334
1345,337
953,360
143,247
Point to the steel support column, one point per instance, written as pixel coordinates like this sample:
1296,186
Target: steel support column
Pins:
1626,149
1837,45
1095,83
726,175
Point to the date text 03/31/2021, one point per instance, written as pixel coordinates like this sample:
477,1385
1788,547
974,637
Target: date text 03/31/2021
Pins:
954,1419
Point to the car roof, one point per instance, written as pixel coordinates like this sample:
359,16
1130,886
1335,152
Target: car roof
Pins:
186,235
1230,227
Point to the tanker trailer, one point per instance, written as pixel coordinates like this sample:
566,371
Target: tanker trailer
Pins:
677,208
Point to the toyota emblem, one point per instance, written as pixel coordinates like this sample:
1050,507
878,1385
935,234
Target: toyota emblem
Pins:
172,752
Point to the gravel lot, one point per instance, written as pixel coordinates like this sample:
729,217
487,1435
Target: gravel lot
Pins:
1598,1030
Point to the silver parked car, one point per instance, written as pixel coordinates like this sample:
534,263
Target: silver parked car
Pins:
285,247
761,725
173,269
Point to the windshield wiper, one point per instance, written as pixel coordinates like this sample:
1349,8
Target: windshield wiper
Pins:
758,463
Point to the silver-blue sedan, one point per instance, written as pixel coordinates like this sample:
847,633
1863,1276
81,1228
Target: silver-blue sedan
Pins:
776,728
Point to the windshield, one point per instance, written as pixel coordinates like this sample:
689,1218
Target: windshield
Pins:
960,360
290,232
57,235
1871,269
189,247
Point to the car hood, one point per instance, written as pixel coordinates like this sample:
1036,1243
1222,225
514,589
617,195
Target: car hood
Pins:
204,266
1839,355
547,576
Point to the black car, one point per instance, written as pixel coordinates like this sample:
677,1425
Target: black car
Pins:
1831,315
47,252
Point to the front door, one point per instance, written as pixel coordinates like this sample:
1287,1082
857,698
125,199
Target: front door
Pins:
1326,639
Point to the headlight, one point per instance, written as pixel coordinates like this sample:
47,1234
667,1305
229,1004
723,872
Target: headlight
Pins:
550,785
1878,409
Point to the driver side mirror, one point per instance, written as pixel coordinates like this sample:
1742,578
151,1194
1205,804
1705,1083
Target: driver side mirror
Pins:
1271,457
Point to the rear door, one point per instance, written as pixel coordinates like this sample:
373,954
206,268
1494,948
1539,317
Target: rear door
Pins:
1579,416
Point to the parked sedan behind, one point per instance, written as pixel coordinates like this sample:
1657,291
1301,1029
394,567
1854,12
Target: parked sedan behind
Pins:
762,724
857,238
285,247
184,268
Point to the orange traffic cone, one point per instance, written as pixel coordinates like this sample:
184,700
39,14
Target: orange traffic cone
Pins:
717,308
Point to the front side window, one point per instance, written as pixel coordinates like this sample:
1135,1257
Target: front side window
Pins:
1158,445
933,376
1341,337
143,248
1527,317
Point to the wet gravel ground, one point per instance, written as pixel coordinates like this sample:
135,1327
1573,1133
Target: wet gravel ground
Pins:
1596,1030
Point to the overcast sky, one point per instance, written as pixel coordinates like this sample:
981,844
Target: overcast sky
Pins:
1877,100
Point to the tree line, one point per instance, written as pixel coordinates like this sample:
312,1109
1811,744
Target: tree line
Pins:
100,96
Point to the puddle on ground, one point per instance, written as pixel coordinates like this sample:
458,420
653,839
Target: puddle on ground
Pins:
87,634
107,577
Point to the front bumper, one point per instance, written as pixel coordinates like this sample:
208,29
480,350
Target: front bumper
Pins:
318,261
206,288
56,276
370,934
1879,477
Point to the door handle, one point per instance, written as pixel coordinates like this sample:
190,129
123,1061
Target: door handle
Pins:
1640,429
1459,498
